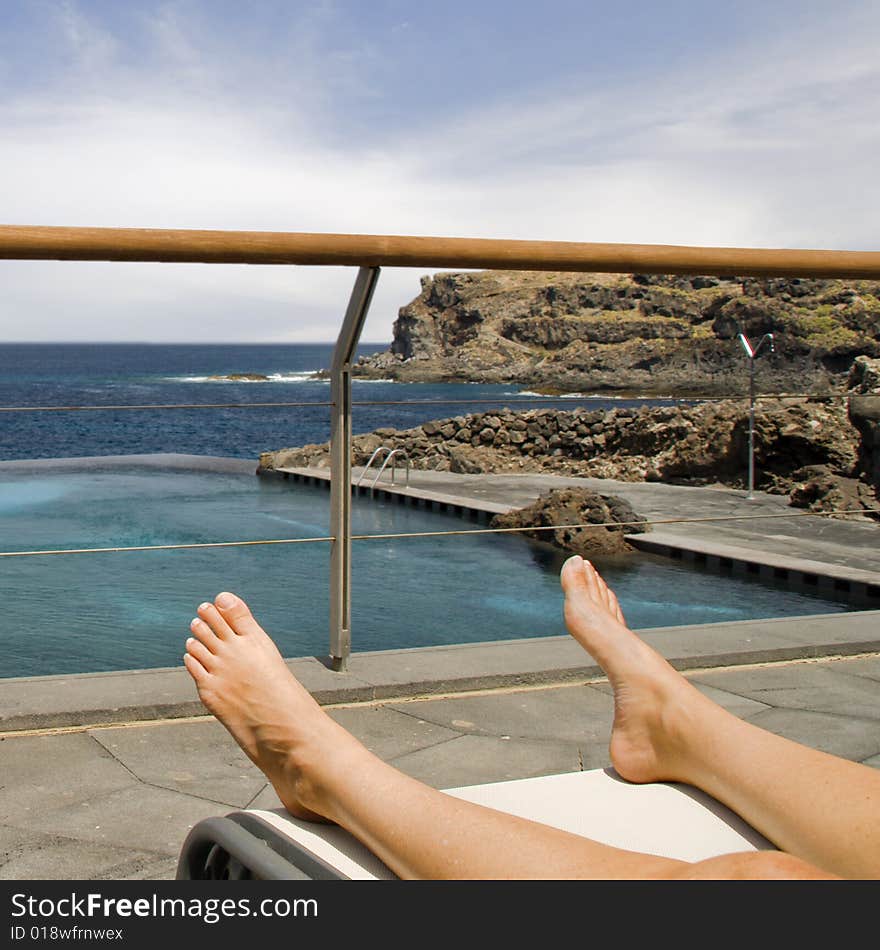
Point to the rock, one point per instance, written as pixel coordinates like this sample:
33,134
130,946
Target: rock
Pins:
864,413
864,376
600,521
820,490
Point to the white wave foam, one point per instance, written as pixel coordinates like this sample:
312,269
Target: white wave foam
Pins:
299,377
528,392
602,397
306,377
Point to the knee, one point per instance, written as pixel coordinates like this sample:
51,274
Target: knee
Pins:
779,866
757,866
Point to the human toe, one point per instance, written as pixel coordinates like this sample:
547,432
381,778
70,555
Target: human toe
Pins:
236,613
572,576
205,634
212,617
198,651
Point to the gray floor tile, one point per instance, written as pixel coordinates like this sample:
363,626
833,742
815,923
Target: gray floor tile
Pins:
141,818
42,773
563,714
34,855
867,667
594,755
392,731
163,869
197,758
845,736
738,705
801,686
266,798
474,760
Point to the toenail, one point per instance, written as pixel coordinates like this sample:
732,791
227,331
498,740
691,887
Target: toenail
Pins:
204,606
193,623
225,600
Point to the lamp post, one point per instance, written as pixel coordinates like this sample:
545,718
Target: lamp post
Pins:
752,352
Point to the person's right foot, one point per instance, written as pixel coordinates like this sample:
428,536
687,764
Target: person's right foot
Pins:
654,705
243,680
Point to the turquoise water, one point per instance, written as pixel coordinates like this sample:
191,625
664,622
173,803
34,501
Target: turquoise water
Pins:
95,612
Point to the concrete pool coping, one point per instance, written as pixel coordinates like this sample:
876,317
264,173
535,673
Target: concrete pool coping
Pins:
82,699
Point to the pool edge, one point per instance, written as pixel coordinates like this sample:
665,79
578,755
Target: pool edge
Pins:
83,700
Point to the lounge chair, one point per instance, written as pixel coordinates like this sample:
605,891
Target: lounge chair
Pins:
668,819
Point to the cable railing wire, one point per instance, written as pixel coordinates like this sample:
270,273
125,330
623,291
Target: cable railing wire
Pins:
393,536
196,405
517,401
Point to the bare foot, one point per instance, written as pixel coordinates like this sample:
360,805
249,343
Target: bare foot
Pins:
243,680
654,706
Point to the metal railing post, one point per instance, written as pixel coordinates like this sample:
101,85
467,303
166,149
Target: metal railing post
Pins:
340,466
751,353
751,493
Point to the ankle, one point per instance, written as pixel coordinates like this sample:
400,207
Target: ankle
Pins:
319,769
690,729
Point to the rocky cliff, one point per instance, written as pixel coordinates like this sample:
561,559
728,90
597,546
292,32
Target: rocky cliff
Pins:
630,333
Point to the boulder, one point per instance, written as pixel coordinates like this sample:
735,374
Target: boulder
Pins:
864,413
592,524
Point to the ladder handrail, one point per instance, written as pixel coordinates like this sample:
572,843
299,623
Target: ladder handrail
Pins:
382,448
389,458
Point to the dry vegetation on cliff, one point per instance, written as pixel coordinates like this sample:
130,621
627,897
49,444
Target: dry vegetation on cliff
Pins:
630,333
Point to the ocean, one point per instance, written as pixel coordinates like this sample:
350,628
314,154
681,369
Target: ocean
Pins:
41,375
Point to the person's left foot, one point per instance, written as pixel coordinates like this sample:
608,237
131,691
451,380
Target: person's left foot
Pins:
653,703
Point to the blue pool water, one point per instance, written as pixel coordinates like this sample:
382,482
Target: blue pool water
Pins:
93,612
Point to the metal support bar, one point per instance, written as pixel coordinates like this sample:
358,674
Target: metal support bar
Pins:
340,466
751,353
751,492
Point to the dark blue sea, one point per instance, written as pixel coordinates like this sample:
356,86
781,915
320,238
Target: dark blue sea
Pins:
41,375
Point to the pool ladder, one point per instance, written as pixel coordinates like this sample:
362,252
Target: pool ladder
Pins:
390,457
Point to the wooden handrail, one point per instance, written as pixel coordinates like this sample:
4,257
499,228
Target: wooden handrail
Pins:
375,250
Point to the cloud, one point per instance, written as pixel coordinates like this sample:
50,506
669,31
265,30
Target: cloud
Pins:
772,143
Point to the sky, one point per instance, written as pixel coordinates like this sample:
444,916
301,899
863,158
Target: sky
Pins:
742,123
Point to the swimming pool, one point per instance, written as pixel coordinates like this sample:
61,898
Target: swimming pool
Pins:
131,610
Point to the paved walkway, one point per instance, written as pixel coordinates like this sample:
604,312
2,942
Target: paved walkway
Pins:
763,534
102,775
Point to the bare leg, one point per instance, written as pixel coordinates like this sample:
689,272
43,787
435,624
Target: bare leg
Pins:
824,809
320,771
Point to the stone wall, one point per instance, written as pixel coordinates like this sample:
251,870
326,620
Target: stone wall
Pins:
698,444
